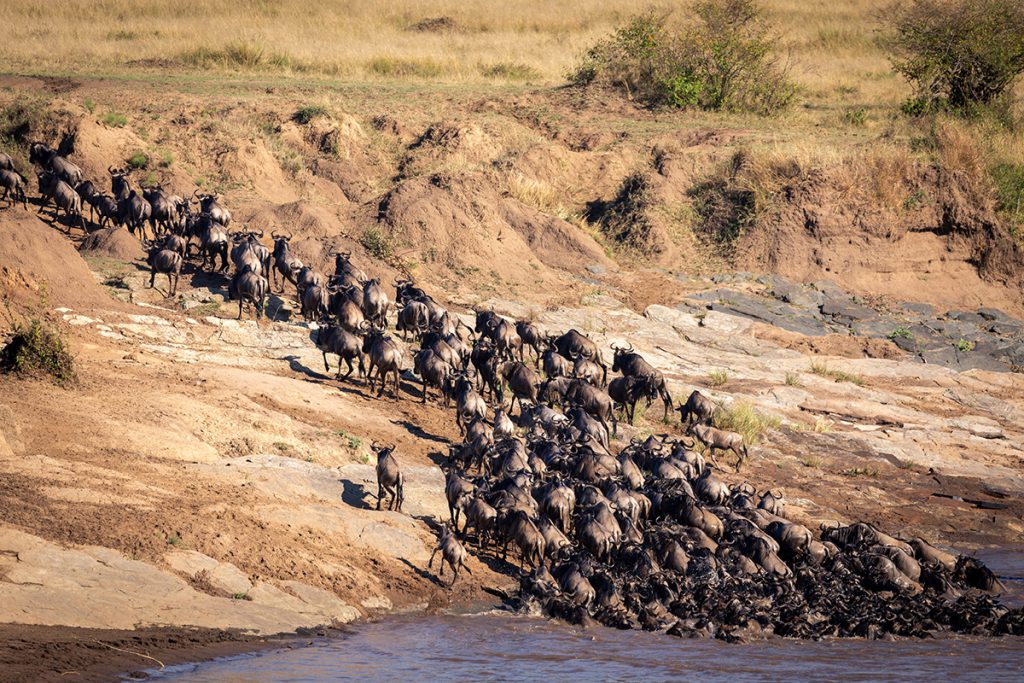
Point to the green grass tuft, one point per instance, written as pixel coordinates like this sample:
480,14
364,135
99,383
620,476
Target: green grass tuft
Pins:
114,119
717,378
743,418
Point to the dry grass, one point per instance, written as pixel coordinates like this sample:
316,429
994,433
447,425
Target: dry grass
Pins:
832,45
823,370
743,418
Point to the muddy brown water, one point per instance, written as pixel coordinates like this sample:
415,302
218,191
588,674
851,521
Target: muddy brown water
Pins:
498,646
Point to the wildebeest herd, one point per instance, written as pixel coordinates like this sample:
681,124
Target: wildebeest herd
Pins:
172,228
649,537
646,537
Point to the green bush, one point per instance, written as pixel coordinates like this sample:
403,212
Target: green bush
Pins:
138,160
378,244
959,55
36,347
114,119
309,112
722,60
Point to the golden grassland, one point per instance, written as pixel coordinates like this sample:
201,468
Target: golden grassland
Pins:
846,114
832,43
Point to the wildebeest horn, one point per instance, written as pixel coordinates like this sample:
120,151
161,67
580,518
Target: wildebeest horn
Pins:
346,254
110,170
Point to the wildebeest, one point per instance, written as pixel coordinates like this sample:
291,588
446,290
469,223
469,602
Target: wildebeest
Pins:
698,408
632,364
719,439
413,316
166,261
375,302
574,343
433,371
286,264
628,391
50,160
385,356
248,286
389,477
14,187
63,196
342,343
531,336
452,552
210,203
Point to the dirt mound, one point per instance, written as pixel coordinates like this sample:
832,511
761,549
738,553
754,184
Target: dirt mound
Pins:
115,243
463,225
300,218
449,146
37,262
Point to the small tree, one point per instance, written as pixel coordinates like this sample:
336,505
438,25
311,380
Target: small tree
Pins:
958,54
721,60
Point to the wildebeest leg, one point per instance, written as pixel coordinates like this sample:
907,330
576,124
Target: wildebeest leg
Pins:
152,279
327,368
380,494
170,285
396,384
241,300
348,361
711,454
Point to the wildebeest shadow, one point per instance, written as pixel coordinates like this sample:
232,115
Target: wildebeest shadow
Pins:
424,574
214,283
297,366
356,495
418,431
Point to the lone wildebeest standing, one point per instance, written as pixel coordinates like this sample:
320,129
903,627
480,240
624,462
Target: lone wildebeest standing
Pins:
389,477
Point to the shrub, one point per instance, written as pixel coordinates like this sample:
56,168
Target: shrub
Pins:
138,160
722,60
309,112
959,55
36,347
377,243
1009,182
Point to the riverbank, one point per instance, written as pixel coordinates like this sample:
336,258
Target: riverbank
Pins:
57,653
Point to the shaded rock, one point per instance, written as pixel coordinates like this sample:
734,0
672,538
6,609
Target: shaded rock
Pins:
994,314
843,309
922,310
967,317
984,427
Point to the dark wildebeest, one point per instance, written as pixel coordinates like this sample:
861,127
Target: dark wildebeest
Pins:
389,477
632,364
385,356
64,198
166,261
248,286
14,187
343,344
573,343
698,408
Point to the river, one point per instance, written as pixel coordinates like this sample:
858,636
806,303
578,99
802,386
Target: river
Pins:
497,646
